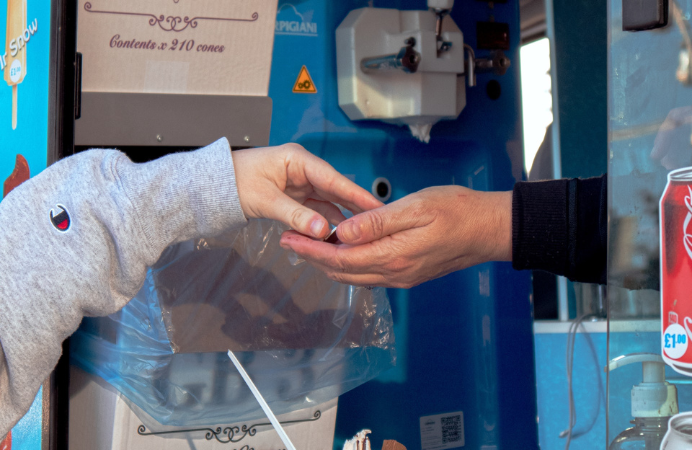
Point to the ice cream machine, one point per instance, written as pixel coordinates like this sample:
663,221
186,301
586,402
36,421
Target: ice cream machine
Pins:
464,342
399,95
407,67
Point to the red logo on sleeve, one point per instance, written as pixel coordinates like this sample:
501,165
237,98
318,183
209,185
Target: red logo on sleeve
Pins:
61,221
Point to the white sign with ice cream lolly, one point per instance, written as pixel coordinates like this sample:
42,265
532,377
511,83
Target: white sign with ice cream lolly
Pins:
216,47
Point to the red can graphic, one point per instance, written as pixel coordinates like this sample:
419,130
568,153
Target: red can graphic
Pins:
675,214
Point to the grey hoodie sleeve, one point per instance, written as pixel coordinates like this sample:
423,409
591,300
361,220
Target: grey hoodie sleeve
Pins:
76,241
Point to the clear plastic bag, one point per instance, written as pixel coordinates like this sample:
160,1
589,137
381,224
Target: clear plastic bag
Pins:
303,338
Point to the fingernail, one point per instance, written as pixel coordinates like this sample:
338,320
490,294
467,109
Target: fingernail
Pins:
350,230
317,227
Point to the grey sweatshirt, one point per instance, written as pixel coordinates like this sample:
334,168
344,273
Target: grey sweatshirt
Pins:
76,241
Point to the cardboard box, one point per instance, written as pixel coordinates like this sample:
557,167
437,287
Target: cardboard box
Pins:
100,418
213,47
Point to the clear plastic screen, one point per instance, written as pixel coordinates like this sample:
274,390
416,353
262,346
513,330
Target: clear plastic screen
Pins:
303,338
650,112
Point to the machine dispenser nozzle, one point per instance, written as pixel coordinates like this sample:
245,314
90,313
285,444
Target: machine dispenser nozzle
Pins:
377,51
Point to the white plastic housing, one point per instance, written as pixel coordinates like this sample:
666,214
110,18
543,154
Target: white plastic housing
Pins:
435,92
440,4
654,400
654,396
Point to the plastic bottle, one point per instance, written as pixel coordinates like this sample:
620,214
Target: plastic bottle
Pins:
654,402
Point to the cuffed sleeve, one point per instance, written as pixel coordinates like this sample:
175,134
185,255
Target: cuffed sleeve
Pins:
560,226
196,195
76,240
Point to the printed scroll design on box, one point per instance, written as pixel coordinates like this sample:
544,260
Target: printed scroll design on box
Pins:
229,434
170,23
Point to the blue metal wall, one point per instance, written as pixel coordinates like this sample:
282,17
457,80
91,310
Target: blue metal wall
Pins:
588,384
464,342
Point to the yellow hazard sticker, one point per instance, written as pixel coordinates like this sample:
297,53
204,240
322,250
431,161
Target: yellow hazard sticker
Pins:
304,83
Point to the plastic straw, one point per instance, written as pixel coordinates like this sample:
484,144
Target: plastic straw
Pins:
265,407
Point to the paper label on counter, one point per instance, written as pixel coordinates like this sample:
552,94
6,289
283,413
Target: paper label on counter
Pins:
442,431
213,47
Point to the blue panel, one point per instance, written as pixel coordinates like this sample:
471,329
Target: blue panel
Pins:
622,379
464,342
26,435
589,387
29,139
581,40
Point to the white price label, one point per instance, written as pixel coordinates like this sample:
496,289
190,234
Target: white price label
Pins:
674,341
15,71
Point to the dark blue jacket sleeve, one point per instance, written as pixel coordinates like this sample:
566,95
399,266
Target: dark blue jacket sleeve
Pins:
560,226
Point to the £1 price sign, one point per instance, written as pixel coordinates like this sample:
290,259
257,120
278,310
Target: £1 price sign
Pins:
674,341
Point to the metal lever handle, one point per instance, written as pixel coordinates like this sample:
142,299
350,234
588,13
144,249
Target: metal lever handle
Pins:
407,60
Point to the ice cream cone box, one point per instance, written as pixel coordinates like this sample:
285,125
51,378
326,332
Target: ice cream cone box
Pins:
214,47
120,425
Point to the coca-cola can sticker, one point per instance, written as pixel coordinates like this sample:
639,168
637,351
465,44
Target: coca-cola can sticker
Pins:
675,216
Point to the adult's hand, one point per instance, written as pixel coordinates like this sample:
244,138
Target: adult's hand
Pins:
672,146
290,184
421,237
